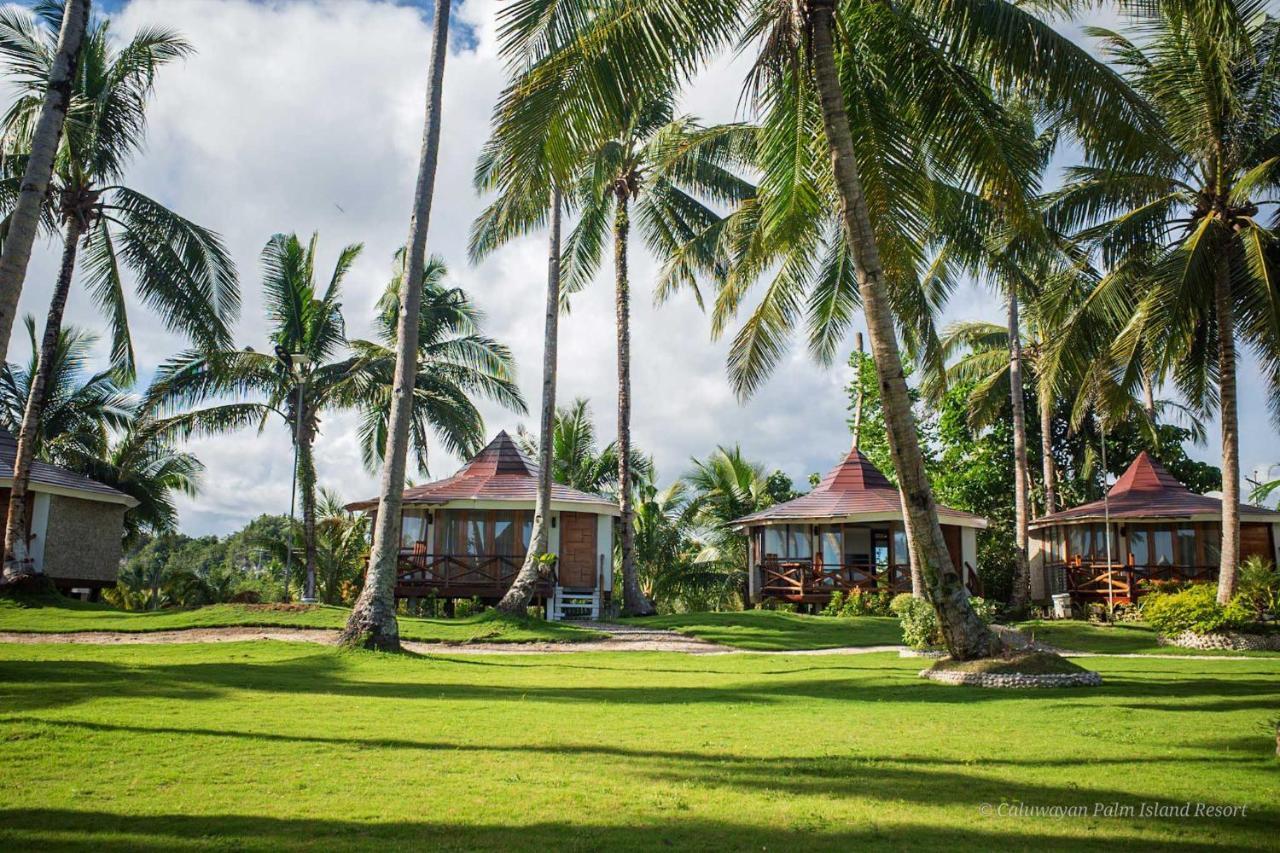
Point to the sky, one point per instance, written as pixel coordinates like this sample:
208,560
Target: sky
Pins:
306,116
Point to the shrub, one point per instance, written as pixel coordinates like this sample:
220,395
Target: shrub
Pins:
835,605
986,610
1193,609
1258,587
900,602
920,628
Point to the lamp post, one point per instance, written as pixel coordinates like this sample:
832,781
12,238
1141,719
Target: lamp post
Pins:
296,363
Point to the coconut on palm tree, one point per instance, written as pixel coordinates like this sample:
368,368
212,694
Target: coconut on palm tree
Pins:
326,372
1192,269
179,268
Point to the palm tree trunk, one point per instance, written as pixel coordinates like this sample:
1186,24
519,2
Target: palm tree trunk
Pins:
307,486
1149,396
965,634
24,222
15,538
1048,469
634,602
1021,468
1230,557
372,623
517,599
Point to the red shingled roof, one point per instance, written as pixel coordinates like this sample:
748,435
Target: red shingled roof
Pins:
854,487
499,472
1147,490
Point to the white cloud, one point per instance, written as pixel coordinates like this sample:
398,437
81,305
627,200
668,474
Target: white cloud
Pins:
306,116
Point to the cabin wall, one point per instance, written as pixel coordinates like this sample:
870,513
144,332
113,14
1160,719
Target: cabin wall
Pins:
1036,554
84,539
969,547
604,550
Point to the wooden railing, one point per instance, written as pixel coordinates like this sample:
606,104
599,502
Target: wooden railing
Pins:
469,574
809,578
1121,583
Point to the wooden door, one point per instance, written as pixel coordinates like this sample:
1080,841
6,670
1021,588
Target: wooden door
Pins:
577,563
1255,539
951,535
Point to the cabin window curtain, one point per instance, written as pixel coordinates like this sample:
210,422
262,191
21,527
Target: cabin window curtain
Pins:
788,541
413,527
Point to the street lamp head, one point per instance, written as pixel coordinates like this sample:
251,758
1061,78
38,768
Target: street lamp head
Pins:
300,361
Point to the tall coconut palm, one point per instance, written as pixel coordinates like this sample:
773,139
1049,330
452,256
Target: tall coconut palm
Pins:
372,623
307,326
180,269
665,171
1192,267
526,185
21,225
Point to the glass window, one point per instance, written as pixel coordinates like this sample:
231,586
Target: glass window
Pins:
857,546
1186,538
832,546
504,534
526,531
413,528
1211,536
900,555
1139,545
775,544
798,545
1076,537
1162,546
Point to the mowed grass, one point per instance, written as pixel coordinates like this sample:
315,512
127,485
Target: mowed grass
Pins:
271,746
61,616
1121,638
772,630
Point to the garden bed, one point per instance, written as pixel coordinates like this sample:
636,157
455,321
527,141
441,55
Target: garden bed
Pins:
1017,671
1237,641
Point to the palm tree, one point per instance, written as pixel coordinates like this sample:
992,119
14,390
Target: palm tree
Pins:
79,413
142,462
661,169
1192,270
372,623
94,427
724,487
455,363
21,225
914,75
342,544
317,375
577,459
180,269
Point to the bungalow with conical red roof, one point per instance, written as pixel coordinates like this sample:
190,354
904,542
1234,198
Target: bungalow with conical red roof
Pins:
1158,530
846,534
466,536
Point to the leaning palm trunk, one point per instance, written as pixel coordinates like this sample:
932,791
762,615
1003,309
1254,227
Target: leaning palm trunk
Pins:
634,602
1021,469
1230,432
517,599
373,619
965,634
16,561
24,222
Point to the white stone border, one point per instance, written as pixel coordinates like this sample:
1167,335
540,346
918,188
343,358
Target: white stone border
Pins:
922,653
1012,680
1227,641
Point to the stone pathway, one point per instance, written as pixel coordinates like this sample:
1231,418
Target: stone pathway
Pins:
622,638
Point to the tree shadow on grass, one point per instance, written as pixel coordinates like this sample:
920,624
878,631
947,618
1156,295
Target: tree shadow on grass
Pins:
922,780
108,831
32,685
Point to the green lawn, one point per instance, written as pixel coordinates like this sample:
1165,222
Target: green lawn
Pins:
273,746
772,630
1121,638
46,616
